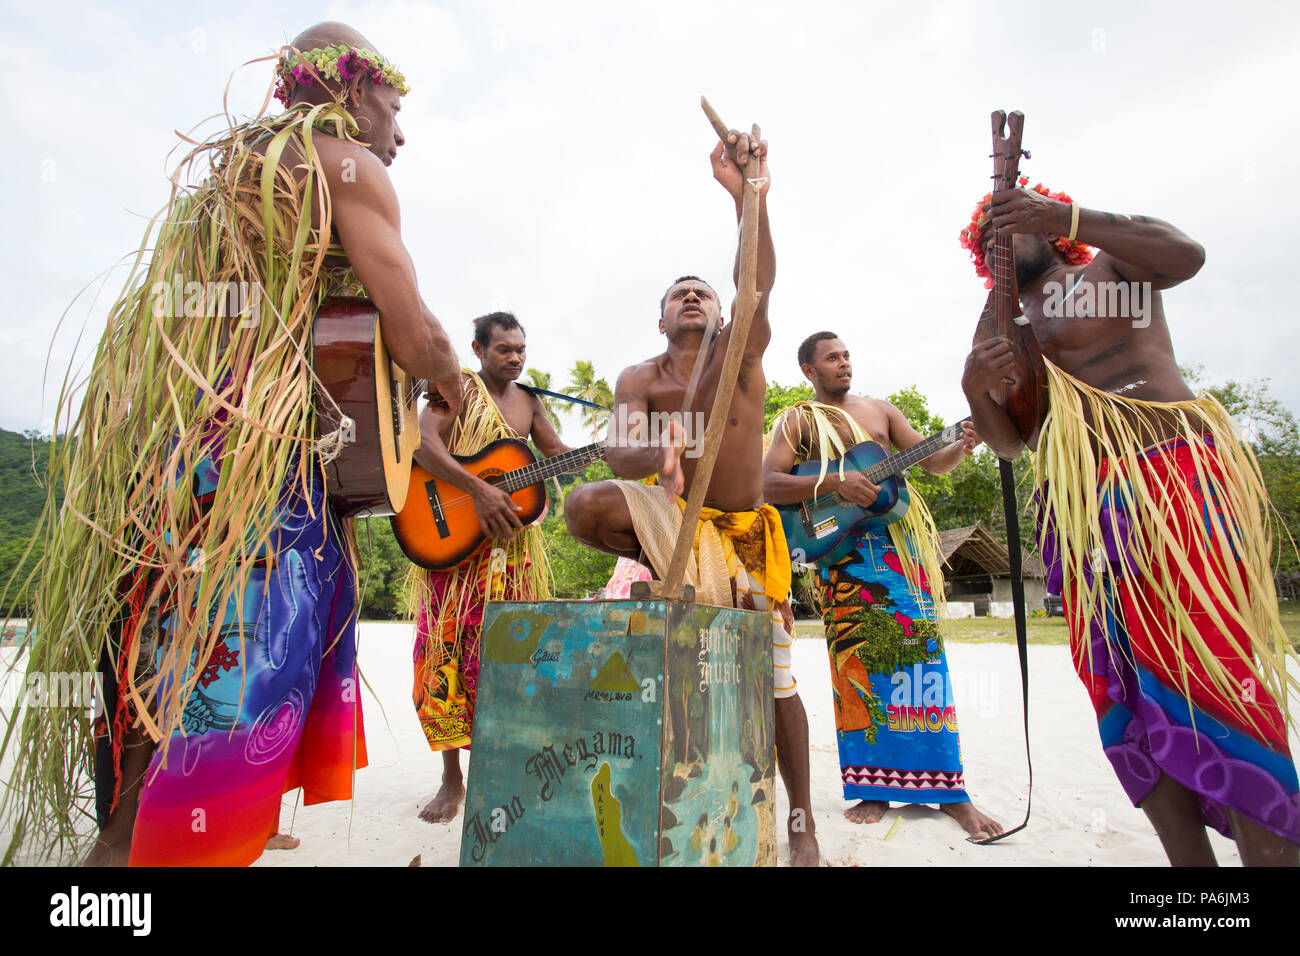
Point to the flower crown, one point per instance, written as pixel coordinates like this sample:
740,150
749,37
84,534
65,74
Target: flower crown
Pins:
340,63
972,237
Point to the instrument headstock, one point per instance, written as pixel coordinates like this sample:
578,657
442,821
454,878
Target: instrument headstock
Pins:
1007,130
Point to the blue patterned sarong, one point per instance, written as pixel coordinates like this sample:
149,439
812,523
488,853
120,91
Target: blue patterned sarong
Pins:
894,713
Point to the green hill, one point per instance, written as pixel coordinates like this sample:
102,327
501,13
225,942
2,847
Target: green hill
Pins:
22,497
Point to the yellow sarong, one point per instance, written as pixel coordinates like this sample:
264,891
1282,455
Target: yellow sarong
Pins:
739,559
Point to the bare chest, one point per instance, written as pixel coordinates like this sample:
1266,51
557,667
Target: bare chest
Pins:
874,423
516,408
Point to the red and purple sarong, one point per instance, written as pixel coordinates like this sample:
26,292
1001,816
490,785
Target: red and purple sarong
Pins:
1159,716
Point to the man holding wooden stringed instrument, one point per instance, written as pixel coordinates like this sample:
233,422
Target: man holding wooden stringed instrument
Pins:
739,557
895,722
196,559
493,544
1153,517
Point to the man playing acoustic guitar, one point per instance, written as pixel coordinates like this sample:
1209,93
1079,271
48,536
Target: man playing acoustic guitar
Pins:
448,607
195,558
1154,524
885,648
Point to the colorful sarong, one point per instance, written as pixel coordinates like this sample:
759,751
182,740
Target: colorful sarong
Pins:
448,605
1162,551
740,559
894,714
449,631
1157,709
276,708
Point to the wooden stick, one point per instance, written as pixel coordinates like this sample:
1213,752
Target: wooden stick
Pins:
719,127
747,297
697,370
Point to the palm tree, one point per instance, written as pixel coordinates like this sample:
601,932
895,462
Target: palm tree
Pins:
540,379
587,386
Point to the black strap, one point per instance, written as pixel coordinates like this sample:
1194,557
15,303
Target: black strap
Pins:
568,398
1018,600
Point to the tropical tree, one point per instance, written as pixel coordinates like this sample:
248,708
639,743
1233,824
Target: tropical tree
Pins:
586,386
972,492
382,570
578,571
778,398
1274,435
539,379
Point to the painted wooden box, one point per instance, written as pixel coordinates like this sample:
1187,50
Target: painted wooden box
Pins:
622,733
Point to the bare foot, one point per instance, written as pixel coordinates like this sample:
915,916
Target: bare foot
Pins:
978,825
803,843
445,803
868,811
282,841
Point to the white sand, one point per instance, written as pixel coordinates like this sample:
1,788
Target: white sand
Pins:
1081,815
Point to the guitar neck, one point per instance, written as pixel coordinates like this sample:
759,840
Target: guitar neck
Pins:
1006,172
1005,294
550,467
897,464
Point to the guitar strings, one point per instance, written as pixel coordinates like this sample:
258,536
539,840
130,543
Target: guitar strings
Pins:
900,462
567,458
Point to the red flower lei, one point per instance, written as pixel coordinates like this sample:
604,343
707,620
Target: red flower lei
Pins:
972,237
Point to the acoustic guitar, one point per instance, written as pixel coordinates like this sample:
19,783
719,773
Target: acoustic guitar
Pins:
371,403
823,528
439,527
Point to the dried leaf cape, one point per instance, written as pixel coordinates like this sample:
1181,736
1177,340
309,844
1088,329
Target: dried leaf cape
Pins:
179,379
1085,426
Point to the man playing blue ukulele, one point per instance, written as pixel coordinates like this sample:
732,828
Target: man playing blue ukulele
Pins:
894,713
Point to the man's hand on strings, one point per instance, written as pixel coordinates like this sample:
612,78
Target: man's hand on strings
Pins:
729,162
498,515
445,395
855,487
970,438
1025,211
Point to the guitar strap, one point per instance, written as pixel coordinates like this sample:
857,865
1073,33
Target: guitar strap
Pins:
568,398
1018,601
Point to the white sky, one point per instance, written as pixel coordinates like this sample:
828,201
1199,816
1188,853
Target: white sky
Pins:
557,162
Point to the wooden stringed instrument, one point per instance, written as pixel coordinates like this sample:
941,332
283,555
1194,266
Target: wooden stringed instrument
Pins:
371,402
439,527
825,527
1025,401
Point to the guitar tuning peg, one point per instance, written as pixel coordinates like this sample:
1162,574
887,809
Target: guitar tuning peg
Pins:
1025,153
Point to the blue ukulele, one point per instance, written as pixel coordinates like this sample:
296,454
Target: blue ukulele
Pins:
824,528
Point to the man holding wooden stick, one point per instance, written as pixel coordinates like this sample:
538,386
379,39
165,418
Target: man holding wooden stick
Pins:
739,557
